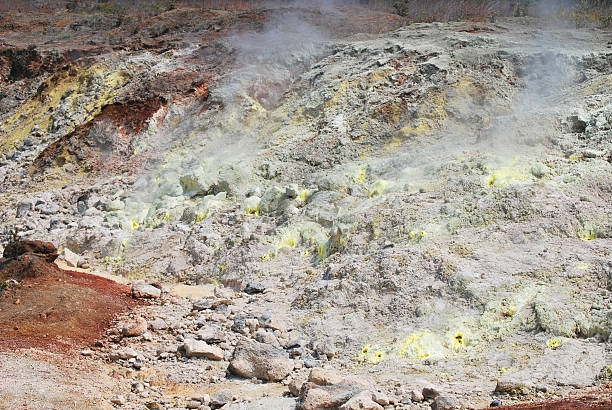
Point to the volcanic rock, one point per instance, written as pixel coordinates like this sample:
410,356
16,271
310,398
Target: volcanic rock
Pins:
444,402
315,397
324,377
265,362
141,290
138,328
71,258
362,401
198,348
14,249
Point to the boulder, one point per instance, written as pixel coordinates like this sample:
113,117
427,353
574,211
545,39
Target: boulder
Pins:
511,382
295,386
137,328
324,377
416,396
158,324
199,183
381,398
362,401
263,361
253,288
71,258
251,205
222,397
198,348
22,209
315,397
271,200
576,124
211,334
430,392
140,289
444,402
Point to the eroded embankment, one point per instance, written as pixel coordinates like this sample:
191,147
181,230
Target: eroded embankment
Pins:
44,306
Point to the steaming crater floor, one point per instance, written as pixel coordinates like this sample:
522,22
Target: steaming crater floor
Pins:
426,206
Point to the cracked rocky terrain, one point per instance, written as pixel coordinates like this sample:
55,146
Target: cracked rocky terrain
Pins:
321,207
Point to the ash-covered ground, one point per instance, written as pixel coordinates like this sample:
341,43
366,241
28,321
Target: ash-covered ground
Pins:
324,207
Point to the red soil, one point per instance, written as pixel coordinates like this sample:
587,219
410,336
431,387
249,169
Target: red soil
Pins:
106,148
597,399
59,310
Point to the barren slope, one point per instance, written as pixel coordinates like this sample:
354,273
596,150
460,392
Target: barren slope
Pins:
426,204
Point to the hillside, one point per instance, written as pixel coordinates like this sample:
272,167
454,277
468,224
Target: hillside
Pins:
328,206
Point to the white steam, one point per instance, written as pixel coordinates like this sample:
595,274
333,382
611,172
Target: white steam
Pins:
225,142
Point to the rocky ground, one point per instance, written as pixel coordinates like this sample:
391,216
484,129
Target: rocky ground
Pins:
322,207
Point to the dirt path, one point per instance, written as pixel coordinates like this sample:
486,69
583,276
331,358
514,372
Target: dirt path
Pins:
43,380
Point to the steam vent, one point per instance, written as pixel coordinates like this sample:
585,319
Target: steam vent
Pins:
309,205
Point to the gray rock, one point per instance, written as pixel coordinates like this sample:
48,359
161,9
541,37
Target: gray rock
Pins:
295,386
276,324
211,334
166,349
116,205
158,324
574,363
430,392
416,396
137,328
253,288
203,398
142,290
315,397
47,209
380,398
265,337
222,397
56,224
82,207
265,362
326,350
576,124
511,383
87,352
198,183
124,354
89,222
362,400
71,258
309,361
444,402
193,404
324,377
138,387
198,348
189,215
23,208
271,200
201,304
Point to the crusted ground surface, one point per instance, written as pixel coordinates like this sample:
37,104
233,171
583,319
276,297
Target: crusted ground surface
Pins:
410,205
